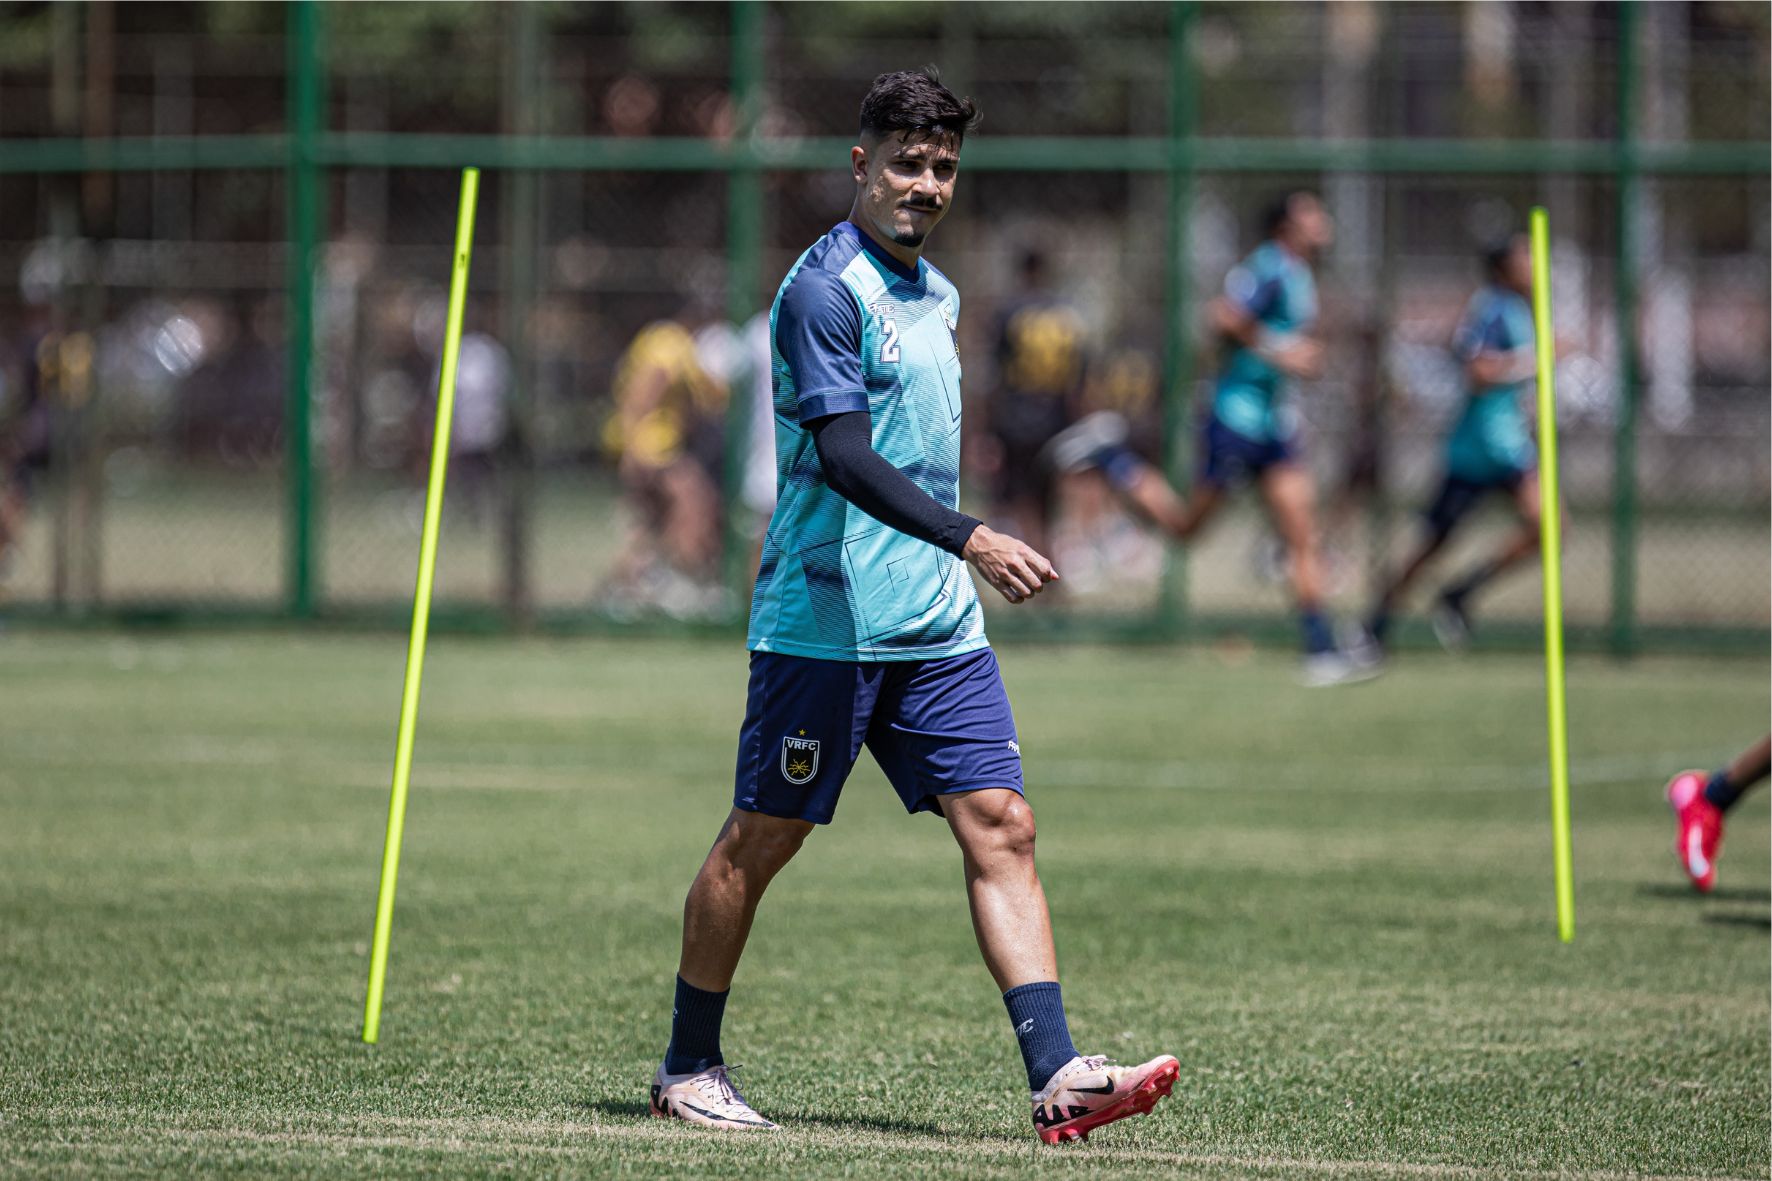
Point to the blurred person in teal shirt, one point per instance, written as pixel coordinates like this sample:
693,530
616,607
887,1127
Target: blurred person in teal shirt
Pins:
1490,449
1265,321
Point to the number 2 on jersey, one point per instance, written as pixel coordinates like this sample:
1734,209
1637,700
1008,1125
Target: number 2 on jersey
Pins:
889,346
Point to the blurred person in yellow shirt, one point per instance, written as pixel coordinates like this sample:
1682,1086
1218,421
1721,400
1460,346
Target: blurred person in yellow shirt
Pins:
666,434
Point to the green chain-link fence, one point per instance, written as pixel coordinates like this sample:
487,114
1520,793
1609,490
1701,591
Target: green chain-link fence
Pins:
228,226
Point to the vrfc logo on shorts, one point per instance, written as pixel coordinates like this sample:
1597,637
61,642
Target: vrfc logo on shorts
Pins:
799,759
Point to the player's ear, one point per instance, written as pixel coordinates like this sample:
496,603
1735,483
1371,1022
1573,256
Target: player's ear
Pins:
858,164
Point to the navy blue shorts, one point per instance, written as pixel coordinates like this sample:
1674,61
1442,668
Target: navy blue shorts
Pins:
1229,459
935,727
1458,496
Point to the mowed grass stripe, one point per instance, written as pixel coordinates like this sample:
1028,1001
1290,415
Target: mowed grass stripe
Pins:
564,1142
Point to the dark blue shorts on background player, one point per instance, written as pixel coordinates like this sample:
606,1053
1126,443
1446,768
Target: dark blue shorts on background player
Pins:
1458,495
935,727
1228,458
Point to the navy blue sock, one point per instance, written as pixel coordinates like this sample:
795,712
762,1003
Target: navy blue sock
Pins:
1467,586
1720,792
1037,1012
695,1029
1317,636
1380,623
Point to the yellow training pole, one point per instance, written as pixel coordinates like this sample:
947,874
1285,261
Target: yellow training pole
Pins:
421,605
1551,543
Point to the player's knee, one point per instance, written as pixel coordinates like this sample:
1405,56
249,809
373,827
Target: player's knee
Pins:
1008,826
763,842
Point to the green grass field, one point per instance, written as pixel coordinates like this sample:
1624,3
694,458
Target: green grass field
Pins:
1334,907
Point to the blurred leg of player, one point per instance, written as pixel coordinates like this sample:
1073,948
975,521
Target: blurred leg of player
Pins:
1098,442
1700,802
1456,498
1452,613
1291,502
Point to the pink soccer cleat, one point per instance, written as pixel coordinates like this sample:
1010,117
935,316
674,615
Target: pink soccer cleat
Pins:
707,1099
1701,829
1088,1092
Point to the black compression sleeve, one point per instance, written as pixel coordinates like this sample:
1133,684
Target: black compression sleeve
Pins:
861,475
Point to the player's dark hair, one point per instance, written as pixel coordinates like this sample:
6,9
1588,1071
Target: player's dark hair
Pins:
916,101
1278,211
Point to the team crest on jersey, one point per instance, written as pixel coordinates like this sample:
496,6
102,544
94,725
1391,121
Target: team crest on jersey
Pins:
947,318
799,759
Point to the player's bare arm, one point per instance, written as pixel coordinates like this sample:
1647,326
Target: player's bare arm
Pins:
1293,354
1501,367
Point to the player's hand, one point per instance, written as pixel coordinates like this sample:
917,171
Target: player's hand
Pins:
1013,567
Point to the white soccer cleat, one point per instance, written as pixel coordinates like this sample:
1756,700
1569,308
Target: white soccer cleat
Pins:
1087,1092
1080,447
1452,624
706,1098
1335,667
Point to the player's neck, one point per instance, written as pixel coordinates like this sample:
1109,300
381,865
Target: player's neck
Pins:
910,256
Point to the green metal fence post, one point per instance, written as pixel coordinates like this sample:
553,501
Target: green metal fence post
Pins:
520,207
306,104
1178,336
1628,197
744,244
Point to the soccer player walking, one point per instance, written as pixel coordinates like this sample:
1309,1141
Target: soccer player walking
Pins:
866,629
1490,449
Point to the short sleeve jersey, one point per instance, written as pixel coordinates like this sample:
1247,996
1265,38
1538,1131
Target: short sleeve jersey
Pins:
852,329
1276,289
1491,440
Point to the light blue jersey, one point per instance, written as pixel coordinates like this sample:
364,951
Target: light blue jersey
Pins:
1491,441
1275,288
854,329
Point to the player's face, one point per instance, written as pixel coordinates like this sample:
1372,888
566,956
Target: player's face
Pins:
1311,224
1516,272
906,185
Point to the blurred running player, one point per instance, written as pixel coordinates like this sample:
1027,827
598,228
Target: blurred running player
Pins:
1264,321
1039,375
866,630
25,427
1489,451
1700,802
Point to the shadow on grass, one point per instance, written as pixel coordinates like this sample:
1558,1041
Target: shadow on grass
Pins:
1759,922
1721,894
623,1108
637,1109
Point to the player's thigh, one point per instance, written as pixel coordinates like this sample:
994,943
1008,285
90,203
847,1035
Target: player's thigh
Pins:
1527,502
804,724
1291,498
944,727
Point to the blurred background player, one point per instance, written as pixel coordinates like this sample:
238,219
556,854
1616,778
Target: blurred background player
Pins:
1040,356
1700,801
667,430
1263,321
24,428
1489,450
